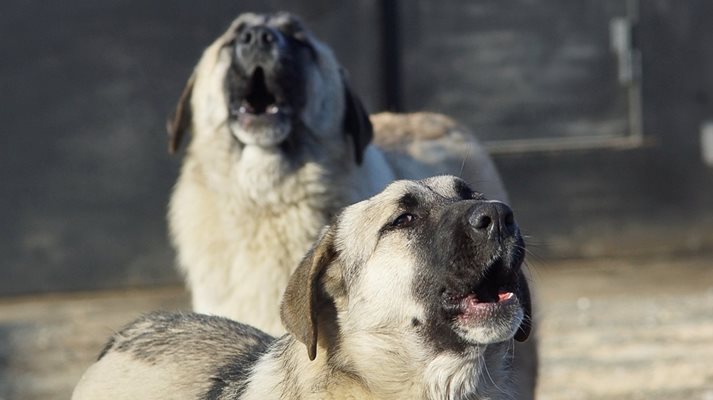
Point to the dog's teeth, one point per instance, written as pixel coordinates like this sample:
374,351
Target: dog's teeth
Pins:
505,296
273,109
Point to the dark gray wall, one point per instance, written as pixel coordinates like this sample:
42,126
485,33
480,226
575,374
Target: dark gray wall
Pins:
86,87
519,69
541,69
655,198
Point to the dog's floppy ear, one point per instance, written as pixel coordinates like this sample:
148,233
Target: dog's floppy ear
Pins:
523,331
182,117
356,121
302,297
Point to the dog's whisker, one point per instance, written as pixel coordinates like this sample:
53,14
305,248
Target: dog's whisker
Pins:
487,372
467,155
533,241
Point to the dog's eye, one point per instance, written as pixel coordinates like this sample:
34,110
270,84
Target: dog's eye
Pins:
403,220
229,43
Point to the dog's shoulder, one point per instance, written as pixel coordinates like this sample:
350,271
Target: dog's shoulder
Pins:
190,356
193,355
165,335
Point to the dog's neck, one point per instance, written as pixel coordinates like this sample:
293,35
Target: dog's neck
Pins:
263,183
266,179
397,362
477,374
304,379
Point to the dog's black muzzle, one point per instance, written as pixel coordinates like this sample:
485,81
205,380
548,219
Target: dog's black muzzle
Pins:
491,222
480,246
267,81
258,46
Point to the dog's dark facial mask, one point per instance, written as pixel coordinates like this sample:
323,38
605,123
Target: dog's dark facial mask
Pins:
470,278
283,89
266,82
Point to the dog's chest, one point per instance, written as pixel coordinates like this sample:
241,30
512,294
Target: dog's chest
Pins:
257,251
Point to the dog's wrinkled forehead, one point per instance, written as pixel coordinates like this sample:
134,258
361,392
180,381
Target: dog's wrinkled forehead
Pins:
405,194
361,222
285,22
451,187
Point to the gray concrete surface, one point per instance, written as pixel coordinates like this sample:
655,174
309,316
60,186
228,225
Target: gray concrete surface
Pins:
627,329
609,329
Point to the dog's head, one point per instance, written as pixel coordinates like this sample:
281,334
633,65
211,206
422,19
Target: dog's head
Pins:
432,259
273,85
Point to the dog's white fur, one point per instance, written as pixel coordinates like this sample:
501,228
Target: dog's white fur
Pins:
475,375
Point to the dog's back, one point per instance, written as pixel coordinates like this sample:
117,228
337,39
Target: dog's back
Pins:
173,356
422,144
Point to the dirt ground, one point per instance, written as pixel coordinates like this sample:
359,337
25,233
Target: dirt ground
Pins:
608,329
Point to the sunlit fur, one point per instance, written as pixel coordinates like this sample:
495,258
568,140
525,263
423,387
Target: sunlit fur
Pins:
368,347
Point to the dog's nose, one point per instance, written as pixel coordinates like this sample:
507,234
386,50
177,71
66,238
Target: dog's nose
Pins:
258,37
492,219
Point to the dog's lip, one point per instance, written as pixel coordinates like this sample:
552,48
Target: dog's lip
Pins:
462,303
471,309
496,287
471,302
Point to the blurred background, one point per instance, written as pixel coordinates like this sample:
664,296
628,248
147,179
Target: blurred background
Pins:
598,113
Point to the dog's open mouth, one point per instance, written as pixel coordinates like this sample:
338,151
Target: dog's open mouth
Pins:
493,291
259,114
258,100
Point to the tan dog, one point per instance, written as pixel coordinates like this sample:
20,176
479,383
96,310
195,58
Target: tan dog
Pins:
415,293
280,143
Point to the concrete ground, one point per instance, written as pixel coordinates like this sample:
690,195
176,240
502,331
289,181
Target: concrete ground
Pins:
608,329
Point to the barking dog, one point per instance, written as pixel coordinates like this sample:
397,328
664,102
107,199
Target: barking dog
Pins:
415,293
